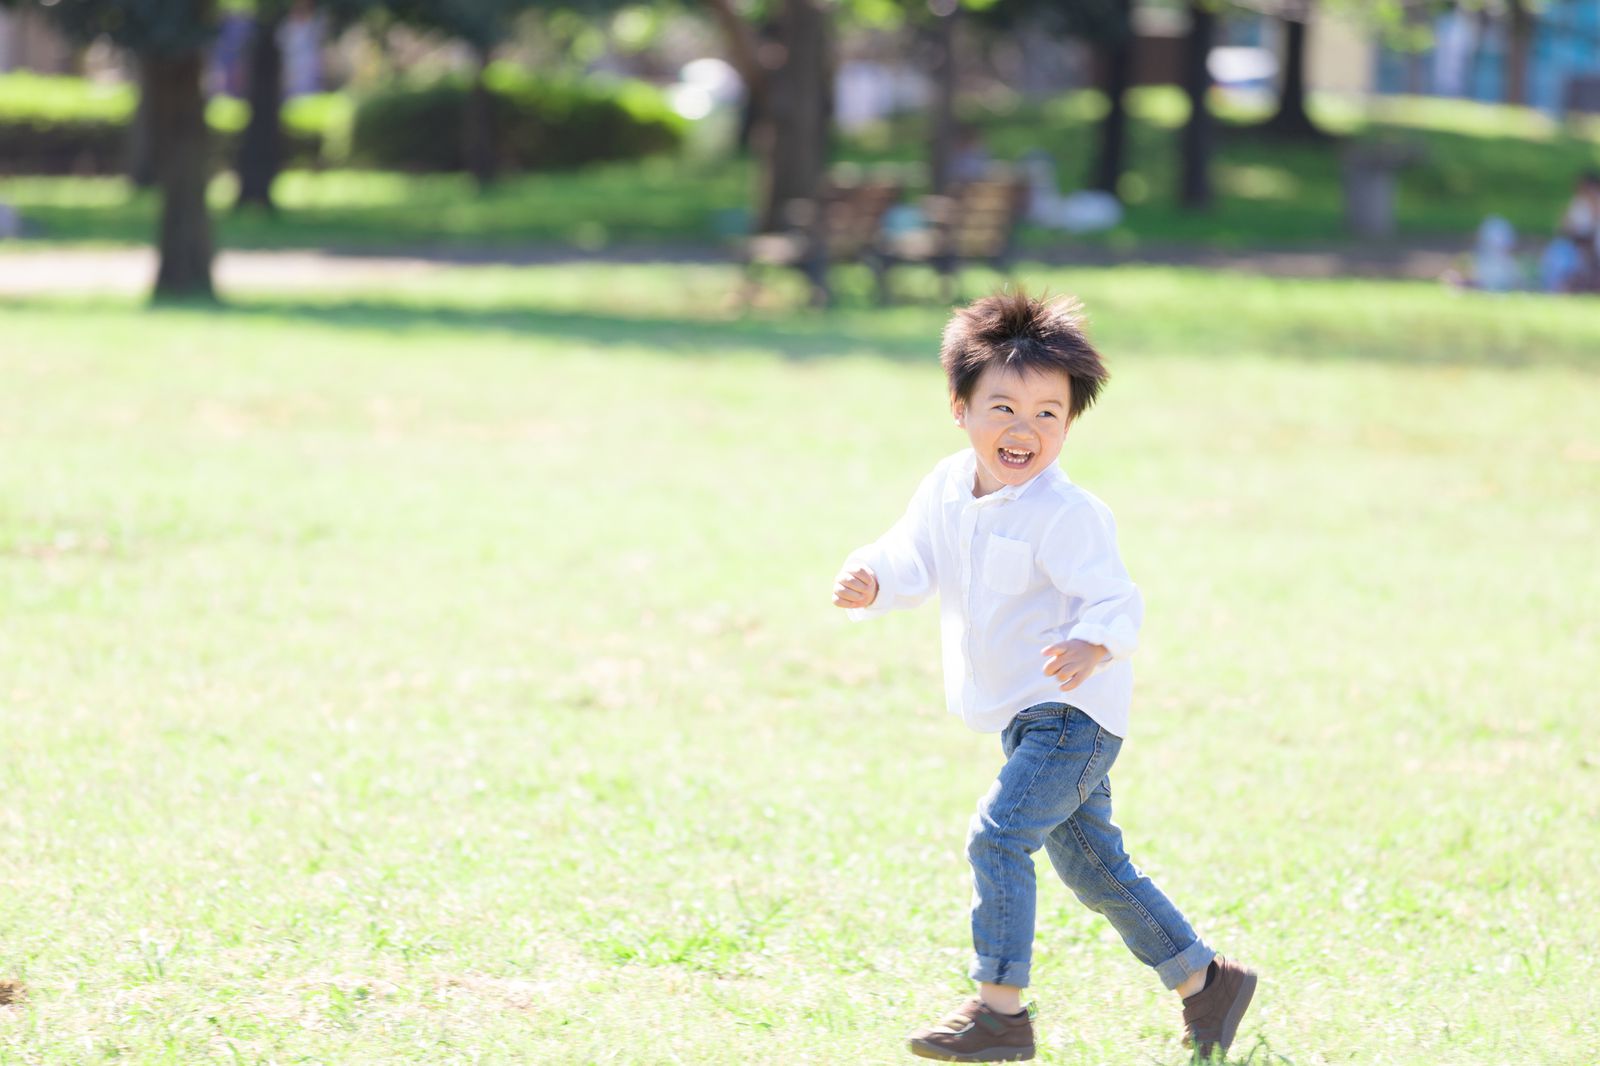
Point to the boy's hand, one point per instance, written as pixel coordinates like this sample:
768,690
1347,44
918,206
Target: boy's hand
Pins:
855,587
1071,662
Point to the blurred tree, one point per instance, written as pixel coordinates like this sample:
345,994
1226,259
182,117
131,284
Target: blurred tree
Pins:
1196,137
167,37
939,36
483,25
787,67
1116,43
141,160
1107,26
1402,26
1521,21
795,137
935,26
260,152
1291,120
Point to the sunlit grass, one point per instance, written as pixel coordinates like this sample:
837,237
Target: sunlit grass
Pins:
445,674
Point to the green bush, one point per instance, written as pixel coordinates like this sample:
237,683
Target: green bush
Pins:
64,125
50,98
538,124
324,118
35,147
59,125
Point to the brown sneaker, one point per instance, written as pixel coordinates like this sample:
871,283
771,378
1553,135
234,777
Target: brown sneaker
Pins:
974,1033
1211,1016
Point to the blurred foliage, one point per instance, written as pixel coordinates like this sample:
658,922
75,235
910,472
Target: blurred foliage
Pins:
155,27
482,24
29,97
1476,159
58,124
540,124
1090,20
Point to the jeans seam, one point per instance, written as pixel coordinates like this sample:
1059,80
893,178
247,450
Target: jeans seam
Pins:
1005,901
1099,864
1094,760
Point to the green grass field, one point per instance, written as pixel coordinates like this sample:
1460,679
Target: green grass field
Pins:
448,675
1473,160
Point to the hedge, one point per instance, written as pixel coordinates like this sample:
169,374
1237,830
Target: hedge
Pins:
53,124
539,123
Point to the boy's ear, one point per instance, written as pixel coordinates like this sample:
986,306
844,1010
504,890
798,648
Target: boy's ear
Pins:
958,408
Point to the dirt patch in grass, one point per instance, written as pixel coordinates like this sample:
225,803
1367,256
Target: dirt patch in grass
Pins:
11,992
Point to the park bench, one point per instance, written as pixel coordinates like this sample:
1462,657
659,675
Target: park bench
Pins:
839,228
975,224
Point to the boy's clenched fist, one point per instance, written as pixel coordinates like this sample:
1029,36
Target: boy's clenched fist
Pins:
1071,662
855,587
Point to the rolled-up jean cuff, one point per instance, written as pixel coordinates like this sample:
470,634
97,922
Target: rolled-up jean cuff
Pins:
1191,960
998,971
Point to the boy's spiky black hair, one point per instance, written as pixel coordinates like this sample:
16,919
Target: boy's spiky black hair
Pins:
1022,333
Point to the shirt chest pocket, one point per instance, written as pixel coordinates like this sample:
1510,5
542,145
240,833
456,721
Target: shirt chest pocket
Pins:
1007,565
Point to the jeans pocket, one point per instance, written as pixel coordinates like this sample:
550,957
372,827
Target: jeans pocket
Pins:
1098,765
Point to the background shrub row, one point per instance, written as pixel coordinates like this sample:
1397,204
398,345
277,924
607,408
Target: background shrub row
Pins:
63,125
538,124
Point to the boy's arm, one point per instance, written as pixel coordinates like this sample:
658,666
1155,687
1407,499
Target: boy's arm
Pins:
902,559
1080,555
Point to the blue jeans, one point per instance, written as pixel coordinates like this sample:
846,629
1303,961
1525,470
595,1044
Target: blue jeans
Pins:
1054,792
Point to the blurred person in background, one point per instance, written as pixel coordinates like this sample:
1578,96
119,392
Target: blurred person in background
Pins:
1572,261
301,41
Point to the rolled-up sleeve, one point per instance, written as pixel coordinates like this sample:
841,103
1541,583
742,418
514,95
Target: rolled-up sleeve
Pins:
902,558
1080,555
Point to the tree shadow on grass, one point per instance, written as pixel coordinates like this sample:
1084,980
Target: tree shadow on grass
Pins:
911,335
800,338
1136,313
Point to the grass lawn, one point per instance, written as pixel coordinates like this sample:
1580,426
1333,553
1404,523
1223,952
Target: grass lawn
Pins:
447,675
1475,160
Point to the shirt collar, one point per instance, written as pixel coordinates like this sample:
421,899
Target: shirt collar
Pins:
958,486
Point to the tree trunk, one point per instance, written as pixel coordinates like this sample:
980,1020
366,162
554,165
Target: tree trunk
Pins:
744,49
942,134
141,158
1291,119
793,137
1416,74
1194,189
178,142
478,143
1110,160
261,147
1519,39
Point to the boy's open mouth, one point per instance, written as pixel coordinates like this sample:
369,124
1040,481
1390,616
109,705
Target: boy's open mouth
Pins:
1012,457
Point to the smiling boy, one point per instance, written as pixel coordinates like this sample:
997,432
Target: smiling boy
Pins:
1034,604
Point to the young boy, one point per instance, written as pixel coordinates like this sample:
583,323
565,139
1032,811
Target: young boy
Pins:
1034,604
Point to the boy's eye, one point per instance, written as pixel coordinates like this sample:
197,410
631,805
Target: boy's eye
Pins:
1002,407
1047,414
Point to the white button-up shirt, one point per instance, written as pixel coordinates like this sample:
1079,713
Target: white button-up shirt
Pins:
1023,567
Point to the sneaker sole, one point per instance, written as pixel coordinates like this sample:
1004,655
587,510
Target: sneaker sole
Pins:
993,1054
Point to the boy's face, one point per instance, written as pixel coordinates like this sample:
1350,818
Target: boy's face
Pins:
1016,422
